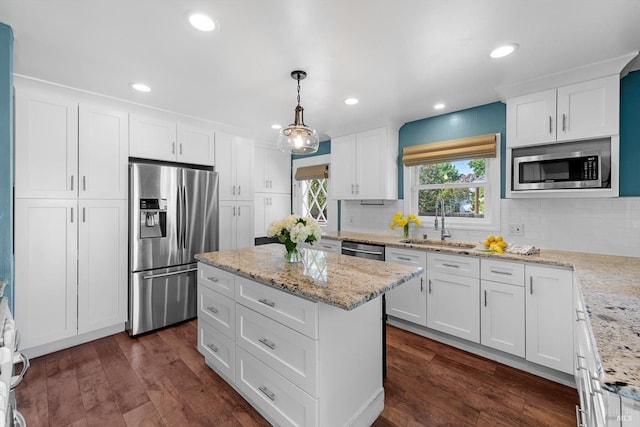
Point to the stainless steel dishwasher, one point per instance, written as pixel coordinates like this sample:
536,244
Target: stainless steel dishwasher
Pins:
375,252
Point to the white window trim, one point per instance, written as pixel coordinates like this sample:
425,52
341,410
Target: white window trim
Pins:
491,221
332,204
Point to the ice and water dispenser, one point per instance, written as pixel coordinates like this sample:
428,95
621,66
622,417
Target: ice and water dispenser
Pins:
153,218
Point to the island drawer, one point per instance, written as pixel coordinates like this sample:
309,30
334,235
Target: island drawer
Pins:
290,310
458,265
511,273
328,245
218,310
291,354
279,400
216,279
218,350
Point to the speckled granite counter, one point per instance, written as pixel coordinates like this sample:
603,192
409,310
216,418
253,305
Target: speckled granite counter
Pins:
610,286
342,281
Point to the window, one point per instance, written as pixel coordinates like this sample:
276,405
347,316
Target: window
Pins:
314,199
470,189
311,190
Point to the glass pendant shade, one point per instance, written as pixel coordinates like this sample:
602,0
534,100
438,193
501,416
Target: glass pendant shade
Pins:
297,138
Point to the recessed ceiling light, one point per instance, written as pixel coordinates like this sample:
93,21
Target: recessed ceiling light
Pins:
351,101
202,22
439,106
276,126
140,87
503,51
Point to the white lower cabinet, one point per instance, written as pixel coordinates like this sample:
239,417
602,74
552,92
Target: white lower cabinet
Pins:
270,207
298,362
279,399
236,224
453,295
409,301
549,320
502,316
72,256
219,351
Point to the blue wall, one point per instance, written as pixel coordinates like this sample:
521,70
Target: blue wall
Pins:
630,134
6,158
324,148
489,118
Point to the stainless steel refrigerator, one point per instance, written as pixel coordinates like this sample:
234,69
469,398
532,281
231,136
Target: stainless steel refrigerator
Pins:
173,216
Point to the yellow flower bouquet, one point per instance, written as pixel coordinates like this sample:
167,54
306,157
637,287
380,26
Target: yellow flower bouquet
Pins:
399,220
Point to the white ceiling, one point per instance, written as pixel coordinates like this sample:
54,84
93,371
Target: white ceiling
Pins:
398,57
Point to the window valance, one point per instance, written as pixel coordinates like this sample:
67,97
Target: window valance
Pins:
312,172
475,147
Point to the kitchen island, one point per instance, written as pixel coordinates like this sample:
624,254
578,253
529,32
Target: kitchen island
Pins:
301,342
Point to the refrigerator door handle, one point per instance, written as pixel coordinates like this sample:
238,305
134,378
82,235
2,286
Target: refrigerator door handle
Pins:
173,273
178,218
185,215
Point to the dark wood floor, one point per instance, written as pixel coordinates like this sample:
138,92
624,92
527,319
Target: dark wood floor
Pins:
160,379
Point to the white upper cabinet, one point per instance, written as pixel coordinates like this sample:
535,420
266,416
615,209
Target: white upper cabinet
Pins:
272,171
580,111
234,165
159,139
195,145
364,166
152,138
103,153
46,145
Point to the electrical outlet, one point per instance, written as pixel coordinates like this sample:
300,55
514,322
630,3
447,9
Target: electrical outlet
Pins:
516,229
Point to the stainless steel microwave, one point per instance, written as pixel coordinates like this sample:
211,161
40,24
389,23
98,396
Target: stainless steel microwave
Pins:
571,166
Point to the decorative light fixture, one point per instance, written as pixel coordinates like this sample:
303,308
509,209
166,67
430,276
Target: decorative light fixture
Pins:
297,138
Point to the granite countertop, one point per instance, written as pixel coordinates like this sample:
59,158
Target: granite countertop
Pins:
610,287
339,280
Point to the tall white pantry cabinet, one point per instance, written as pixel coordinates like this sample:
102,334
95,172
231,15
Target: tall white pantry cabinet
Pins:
70,218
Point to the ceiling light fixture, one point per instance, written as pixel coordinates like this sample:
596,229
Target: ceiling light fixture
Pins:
140,87
439,106
503,51
202,22
351,101
297,138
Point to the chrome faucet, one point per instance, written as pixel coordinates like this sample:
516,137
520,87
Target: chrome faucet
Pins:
443,232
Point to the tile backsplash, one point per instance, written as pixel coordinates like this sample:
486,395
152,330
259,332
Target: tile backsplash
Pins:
606,226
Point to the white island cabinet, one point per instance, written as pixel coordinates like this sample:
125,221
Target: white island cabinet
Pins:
301,342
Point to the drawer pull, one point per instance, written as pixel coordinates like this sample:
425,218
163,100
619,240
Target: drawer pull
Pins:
579,417
267,393
595,382
506,273
267,343
404,258
579,367
267,302
579,318
213,310
450,265
213,348
213,279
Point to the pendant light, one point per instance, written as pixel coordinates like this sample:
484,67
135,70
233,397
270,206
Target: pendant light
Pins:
297,138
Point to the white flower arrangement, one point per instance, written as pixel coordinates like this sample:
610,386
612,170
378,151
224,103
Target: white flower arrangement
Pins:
295,229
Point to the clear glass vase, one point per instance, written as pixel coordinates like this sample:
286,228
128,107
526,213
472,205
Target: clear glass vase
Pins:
293,255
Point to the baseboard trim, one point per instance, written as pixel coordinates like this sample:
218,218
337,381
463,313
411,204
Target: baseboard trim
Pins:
43,349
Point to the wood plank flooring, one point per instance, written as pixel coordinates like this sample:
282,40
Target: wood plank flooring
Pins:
160,379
